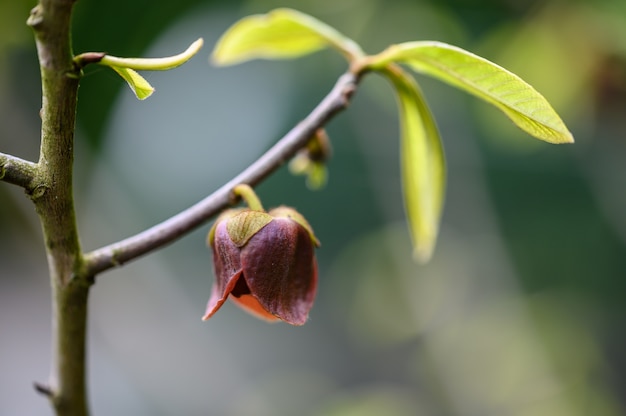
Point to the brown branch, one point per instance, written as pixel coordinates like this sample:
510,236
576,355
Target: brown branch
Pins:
17,171
175,227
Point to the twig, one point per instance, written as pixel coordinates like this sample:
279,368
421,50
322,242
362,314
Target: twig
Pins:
17,171
175,227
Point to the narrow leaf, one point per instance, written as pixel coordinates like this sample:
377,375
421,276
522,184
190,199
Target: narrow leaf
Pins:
526,107
422,162
136,82
279,34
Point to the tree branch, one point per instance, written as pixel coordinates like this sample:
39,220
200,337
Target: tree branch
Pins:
54,202
175,227
17,171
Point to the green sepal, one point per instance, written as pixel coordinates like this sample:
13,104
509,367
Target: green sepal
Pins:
287,212
223,216
245,224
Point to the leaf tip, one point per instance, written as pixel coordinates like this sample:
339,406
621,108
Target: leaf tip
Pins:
568,138
144,93
195,46
422,253
561,136
217,58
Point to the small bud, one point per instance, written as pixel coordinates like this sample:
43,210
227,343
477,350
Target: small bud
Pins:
265,262
311,160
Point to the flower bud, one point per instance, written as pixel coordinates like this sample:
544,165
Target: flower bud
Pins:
265,262
311,160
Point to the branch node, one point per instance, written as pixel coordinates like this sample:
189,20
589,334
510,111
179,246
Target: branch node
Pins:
36,17
87,58
37,192
76,74
114,260
43,389
348,92
234,197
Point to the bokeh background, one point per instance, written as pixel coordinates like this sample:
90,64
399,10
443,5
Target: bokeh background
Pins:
520,312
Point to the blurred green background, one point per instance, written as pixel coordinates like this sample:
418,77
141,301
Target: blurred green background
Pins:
520,312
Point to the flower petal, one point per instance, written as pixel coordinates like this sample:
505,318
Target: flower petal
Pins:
279,267
218,297
288,212
251,305
227,269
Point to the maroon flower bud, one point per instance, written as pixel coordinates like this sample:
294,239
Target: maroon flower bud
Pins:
265,262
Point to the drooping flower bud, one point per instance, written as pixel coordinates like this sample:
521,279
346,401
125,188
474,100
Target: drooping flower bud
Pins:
265,262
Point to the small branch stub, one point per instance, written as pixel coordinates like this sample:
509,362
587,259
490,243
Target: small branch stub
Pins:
36,18
43,389
87,58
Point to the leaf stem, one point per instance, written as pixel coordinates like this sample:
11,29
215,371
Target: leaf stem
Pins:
175,227
153,64
249,196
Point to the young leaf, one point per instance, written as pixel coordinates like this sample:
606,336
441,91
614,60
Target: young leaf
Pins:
279,34
136,82
316,172
126,67
422,161
311,160
518,100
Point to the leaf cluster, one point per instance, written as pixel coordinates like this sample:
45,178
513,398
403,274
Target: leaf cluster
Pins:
285,33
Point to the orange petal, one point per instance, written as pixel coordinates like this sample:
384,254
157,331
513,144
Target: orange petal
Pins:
251,305
217,299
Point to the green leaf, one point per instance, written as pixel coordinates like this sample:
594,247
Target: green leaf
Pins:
423,163
527,108
279,34
136,82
